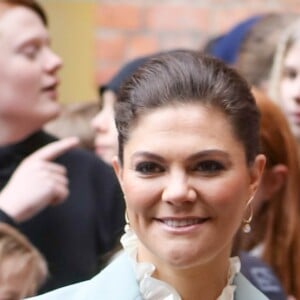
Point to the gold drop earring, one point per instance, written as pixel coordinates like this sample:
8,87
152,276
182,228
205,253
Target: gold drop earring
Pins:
246,222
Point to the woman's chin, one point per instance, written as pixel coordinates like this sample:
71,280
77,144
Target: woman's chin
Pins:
182,259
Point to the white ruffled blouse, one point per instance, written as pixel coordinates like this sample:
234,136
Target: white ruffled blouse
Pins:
154,289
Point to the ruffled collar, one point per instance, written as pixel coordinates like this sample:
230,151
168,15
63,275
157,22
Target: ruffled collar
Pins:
155,289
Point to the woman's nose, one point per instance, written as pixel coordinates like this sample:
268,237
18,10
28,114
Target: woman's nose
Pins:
178,190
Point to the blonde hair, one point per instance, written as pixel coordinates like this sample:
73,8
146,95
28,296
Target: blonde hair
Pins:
288,38
257,50
74,120
18,255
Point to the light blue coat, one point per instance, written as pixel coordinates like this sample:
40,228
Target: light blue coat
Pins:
117,282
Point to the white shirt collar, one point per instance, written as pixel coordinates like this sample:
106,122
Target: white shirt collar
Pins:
155,289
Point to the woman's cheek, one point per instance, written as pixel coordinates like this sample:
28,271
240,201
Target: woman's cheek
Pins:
143,193
222,193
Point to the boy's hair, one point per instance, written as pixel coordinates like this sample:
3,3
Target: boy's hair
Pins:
30,4
16,249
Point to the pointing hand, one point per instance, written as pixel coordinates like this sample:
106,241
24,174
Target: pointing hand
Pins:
37,182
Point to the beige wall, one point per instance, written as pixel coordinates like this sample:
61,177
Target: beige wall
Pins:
72,31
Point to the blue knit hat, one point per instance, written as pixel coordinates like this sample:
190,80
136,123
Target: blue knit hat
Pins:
227,46
128,69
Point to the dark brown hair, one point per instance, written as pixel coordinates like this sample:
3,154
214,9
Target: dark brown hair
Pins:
185,76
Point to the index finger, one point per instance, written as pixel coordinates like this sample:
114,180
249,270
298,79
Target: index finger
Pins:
55,149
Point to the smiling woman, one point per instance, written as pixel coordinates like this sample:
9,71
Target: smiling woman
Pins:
191,193
188,166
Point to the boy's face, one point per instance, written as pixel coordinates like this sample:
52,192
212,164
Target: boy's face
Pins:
28,73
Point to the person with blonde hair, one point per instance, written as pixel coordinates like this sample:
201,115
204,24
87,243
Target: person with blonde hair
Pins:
22,267
256,54
284,86
276,221
251,44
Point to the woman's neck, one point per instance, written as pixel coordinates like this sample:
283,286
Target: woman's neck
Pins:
196,284
203,281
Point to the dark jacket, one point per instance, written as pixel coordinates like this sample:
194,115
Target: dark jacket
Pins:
73,235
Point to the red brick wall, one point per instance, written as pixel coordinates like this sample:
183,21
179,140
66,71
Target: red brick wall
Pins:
129,28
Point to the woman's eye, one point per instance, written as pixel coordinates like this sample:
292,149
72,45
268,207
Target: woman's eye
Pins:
148,168
209,166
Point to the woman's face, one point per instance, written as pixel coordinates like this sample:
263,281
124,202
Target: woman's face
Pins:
28,73
186,183
106,139
290,88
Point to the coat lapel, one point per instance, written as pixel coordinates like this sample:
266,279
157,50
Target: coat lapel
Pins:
117,281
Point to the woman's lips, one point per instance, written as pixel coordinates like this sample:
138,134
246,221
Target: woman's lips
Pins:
182,223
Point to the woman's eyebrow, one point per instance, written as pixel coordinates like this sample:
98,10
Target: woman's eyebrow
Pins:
209,152
197,155
147,154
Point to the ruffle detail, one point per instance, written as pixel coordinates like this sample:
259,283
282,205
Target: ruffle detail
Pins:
155,289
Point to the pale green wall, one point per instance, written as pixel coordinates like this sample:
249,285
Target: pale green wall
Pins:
72,31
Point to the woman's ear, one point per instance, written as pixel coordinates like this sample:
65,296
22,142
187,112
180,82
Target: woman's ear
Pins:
274,179
256,172
118,170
